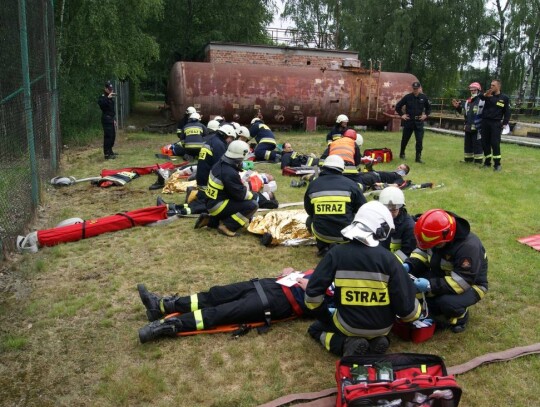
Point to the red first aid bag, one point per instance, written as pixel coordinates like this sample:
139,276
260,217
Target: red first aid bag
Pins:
381,155
402,378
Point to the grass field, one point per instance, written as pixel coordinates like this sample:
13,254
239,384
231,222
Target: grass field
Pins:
69,314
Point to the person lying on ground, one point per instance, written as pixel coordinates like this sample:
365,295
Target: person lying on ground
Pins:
383,179
236,303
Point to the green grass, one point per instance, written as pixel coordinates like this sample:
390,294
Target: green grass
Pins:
70,315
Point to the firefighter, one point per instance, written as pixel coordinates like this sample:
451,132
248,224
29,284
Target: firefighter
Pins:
191,138
339,128
417,110
236,303
382,179
108,121
266,141
331,201
401,241
370,288
347,147
242,133
212,127
230,203
495,116
210,153
472,111
451,266
183,121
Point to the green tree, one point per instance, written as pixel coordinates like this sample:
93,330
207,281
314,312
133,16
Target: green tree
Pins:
316,22
430,39
98,41
188,25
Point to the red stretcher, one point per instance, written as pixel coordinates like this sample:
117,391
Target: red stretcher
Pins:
144,170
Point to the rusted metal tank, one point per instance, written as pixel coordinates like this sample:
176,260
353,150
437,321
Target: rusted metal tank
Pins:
286,95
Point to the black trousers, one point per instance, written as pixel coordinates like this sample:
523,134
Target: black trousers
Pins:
418,128
236,214
265,152
232,304
472,147
452,305
491,141
109,134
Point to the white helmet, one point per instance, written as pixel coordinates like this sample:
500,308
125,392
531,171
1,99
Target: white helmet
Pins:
373,222
195,116
213,125
359,140
238,149
392,198
255,119
243,132
335,162
190,110
219,118
228,130
342,118
235,125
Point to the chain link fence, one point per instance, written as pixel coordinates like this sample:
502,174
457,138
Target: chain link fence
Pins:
30,137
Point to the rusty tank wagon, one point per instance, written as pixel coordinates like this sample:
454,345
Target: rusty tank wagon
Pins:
287,95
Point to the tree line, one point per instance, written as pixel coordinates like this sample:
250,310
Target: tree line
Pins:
445,43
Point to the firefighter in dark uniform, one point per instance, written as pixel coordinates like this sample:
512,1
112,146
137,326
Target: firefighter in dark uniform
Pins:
339,128
183,120
370,288
451,266
472,111
236,303
380,179
108,115
347,148
210,153
230,203
192,137
266,141
495,116
417,110
331,201
401,241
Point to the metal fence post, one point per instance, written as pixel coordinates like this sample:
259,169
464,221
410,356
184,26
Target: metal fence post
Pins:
25,69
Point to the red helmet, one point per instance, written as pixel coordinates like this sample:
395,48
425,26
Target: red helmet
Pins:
434,227
350,133
475,85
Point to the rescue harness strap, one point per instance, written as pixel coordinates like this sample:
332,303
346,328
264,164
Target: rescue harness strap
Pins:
265,304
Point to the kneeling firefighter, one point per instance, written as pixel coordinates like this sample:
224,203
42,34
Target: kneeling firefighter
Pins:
230,203
370,288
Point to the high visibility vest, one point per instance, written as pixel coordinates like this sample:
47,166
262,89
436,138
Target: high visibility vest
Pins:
344,147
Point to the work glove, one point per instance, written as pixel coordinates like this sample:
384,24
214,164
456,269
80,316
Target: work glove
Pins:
406,267
422,285
247,165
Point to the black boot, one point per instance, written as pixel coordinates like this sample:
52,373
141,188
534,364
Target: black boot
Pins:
419,158
156,307
160,183
157,329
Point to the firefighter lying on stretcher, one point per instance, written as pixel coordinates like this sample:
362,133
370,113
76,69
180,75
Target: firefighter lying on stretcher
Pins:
238,303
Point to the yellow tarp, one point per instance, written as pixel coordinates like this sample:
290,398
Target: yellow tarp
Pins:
287,228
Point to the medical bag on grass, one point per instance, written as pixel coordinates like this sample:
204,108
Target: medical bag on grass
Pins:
398,379
381,155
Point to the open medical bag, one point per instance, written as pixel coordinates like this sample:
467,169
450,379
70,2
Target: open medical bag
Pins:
381,155
399,379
